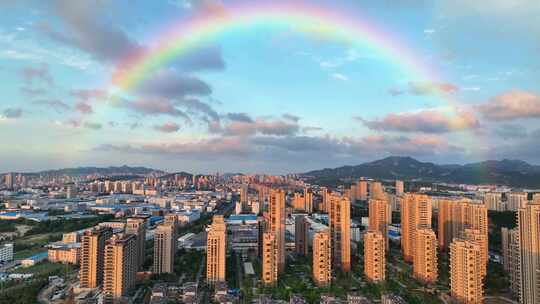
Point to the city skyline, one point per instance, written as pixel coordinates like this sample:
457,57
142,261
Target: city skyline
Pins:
176,84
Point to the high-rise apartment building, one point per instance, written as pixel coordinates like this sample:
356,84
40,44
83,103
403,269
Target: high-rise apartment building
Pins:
425,266
216,247
399,188
362,188
137,227
380,216
457,215
465,272
9,180
301,235
322,258
120,266
244,194
261,229
340,231
415,213
476,218
376,190
512,258
276,223
270,259
374,256
516,200
298,201
447,220
477,237
171,219
308,200
493,201
164,248
529,240
323,206
92,256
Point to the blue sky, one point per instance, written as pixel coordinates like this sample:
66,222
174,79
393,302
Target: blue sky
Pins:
267,99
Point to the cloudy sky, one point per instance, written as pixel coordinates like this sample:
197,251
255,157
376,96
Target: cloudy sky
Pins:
267,98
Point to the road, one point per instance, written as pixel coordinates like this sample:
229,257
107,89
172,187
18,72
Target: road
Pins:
201,267
239,278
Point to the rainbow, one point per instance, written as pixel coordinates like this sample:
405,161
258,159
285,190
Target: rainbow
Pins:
188,35
191,34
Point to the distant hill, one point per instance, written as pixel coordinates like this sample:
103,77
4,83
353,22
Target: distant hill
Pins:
514,173
109,171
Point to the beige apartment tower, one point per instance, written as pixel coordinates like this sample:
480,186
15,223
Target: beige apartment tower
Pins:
466,272
529,241
322,258
376,190
92,256
308,200
449,219
399,188
415,213
457,215
301,235
216,248
477,237
270,259
380,216
276,223
374,256
164,248
120,267
512,258
362,189
425,266
323,206
137,226
340,232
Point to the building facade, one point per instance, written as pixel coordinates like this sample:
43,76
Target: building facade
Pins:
322,258
466,272
415,213
276,223
137,227
270,259
164,248
512,258
340,231
374,256
92,256
301,235
216,249
425,267
380,216
120,267
529,241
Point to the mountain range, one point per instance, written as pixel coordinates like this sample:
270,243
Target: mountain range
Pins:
106,171
515,173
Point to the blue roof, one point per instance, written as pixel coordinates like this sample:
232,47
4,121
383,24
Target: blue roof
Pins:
39,256
10,213
242,217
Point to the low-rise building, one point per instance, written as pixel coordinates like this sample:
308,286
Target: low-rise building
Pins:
66,254
6,253
34,260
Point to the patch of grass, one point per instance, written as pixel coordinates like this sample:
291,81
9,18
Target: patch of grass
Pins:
45,269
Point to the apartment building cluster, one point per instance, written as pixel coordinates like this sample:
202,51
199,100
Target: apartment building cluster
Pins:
109,261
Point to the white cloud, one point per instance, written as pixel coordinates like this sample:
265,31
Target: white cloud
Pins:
15,47
339,76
